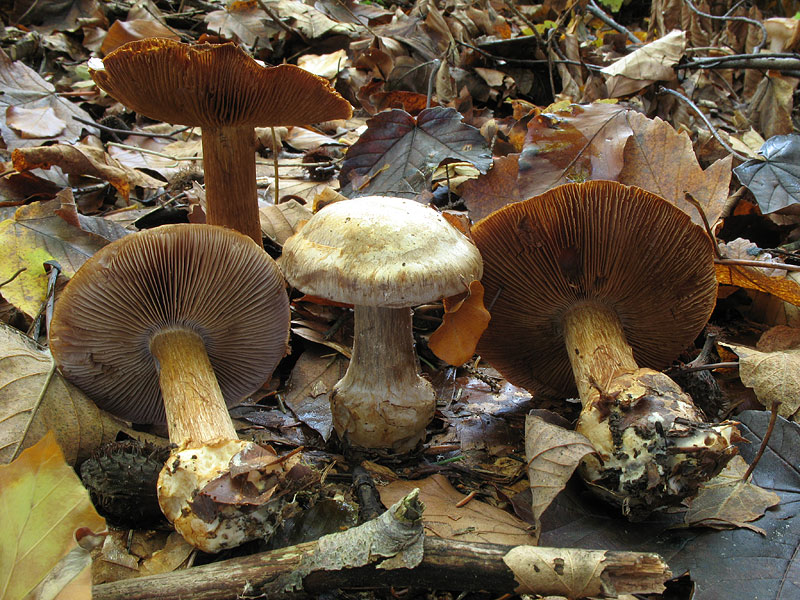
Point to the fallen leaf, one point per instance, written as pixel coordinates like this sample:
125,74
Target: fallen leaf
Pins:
42,504
121,32
492,191
476,521
35,235
770,108
31,123
752,278
775,180
83,159
78,425
244,22
652,62
309,387
24,88
280,221
774,376
397,153
661,160
553,453
324,65
728,501
454,341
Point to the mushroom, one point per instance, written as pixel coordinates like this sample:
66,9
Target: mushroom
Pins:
171,324
590,281
227,93
384,255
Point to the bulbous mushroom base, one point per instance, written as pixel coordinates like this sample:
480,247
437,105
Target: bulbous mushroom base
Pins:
220,494
394,416
653,447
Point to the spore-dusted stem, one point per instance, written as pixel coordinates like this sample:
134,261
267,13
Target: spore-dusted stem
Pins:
382,401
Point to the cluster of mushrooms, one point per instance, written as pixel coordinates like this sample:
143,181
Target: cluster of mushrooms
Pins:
177,323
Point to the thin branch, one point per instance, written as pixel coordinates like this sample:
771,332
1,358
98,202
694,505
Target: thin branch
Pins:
711,128
598,12
726,17
168,136
755,263
775,61
13,277
772,419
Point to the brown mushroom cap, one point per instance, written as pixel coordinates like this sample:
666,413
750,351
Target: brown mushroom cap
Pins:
215,85
211,280
598,241
380,251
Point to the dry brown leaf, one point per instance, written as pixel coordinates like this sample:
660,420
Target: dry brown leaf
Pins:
476,521
492,191
462,326
78,424
752,278
726,501
661,160
553,453
770,109
31,123
122,32
774,376
279,222
80,160
652,62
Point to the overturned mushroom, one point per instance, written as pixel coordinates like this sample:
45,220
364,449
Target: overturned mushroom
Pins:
384,255
169,324
227,93
590,281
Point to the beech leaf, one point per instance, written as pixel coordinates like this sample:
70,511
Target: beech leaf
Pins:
42,504
774,181
398,153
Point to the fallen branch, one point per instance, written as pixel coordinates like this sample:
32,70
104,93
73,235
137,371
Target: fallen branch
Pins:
774,61
330,563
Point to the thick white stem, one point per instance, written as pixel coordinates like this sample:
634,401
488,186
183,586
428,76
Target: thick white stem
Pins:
382,402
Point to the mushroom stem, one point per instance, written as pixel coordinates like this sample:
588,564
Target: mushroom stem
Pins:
382,401
196,411
596,347
229,164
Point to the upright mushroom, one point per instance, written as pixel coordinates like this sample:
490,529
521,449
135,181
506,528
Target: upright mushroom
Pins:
592,280
227,93
384,255
170,324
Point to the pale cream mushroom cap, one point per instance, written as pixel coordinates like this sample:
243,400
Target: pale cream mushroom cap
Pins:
380,251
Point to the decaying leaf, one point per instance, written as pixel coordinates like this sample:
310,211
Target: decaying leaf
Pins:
495,189
78,425
308,391
774,376
553,453
397,153
42,504
752,278
774,181
280,221
475,521
462,326
728,501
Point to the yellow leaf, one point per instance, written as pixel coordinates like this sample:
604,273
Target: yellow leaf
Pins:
753,279
462,326
42,503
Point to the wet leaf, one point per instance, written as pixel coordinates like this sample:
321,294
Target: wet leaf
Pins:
42,504
774,181
397,153
475,521
79,426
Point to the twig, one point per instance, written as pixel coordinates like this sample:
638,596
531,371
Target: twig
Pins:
756,263
768,61
727,17
708,367
431,79
772,419
526,62
168,136
693,201
276,193
154,153
711,128
359,21
598,12
14,276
